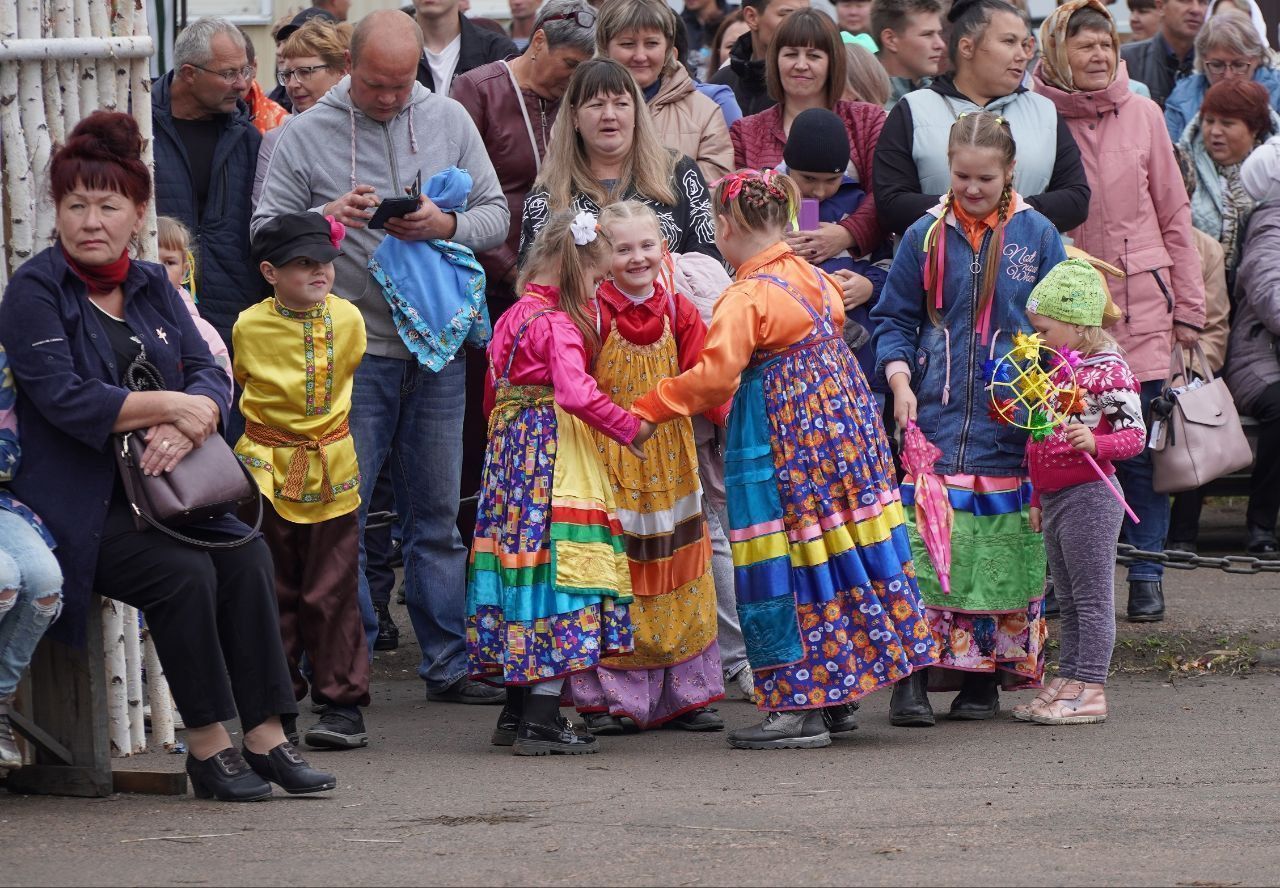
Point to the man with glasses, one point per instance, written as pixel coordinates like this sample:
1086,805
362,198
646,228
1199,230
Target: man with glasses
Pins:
1168,57
206,151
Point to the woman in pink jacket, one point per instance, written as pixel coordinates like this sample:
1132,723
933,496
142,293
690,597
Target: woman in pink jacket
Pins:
1139,220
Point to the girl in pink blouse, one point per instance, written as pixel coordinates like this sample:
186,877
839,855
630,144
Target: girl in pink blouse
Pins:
548,585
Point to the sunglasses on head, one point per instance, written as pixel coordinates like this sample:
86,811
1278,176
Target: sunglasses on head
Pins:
584,18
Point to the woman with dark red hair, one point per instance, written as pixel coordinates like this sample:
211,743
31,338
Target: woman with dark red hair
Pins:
1235,117
75,319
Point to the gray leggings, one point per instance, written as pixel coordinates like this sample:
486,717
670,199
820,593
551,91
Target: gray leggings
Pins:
1081,527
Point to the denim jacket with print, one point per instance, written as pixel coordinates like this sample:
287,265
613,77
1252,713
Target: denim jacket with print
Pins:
951,356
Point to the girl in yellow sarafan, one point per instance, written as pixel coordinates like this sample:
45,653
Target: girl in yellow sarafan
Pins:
649,333
826,588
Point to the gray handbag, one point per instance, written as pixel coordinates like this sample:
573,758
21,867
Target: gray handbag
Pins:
1198,438
207,483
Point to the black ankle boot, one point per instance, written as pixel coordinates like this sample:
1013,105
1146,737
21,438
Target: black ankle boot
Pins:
287,769
504,732
543,732
979,698
909,706
227,777
1146,601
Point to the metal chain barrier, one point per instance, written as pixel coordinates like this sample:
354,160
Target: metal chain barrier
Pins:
1176,560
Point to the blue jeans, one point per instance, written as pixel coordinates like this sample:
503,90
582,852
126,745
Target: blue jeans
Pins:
30,596
1152,508
404,413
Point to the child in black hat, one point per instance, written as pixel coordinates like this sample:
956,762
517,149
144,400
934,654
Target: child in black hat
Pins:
816,157
295,356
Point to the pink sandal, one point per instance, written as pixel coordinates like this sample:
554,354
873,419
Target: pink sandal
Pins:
1022,712
1077,703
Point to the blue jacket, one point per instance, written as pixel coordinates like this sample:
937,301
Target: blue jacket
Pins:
848,197
971,441
228,281
1184,102
69,400
722,96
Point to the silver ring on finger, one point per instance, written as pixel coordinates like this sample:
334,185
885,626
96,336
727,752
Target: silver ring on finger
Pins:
164,445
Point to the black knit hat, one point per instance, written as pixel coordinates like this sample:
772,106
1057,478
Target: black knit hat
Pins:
818,143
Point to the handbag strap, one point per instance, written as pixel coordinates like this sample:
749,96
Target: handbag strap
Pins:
131,494
1181,368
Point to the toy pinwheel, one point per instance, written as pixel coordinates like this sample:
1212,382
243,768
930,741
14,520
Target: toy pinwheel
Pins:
1034,387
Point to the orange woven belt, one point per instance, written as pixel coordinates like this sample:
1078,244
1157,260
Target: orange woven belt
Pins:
266,436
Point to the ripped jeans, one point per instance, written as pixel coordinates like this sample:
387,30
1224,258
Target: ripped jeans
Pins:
30,597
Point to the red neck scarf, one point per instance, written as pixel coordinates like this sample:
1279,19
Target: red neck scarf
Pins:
100,279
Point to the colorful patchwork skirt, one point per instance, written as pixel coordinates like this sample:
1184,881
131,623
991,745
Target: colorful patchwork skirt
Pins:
548,586
993,619
826,588
675,667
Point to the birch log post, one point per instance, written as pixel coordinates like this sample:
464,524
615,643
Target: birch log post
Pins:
122,26
100,26
157,695
88,68
68,83
17,163
133,682
140,93
35,129
116,680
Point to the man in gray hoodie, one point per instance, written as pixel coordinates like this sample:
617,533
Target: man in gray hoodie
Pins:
367,139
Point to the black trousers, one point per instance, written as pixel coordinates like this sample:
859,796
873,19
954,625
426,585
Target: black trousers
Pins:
212,615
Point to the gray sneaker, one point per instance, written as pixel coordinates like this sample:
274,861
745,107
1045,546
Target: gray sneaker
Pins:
469,691
797,729
10,755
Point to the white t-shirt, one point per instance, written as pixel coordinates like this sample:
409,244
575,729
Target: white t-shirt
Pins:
443,64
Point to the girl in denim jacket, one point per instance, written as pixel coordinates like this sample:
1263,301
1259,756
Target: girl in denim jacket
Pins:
955,297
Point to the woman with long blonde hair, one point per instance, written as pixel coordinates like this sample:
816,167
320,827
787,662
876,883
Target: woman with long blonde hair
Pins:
604,149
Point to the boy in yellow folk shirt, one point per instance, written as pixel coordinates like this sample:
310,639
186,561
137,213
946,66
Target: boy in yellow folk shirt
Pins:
295,356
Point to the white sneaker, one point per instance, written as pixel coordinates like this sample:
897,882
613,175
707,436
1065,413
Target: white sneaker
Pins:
740,685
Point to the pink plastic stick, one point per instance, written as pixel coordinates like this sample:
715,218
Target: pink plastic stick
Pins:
1110,486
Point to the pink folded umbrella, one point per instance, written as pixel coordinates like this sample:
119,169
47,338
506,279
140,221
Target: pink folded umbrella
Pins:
933,505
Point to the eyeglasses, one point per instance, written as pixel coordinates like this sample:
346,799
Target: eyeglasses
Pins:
303,74
583,18
1216,66
231,75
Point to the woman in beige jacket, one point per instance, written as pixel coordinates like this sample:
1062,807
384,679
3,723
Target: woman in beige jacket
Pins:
641,35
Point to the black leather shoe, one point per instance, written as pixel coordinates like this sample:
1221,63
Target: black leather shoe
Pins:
1146,601
227,777
697,720
909,706
839,718
287,769
504,732
340,727
603,724
554,739
388,632
979,698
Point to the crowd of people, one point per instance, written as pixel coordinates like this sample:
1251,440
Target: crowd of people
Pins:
674,366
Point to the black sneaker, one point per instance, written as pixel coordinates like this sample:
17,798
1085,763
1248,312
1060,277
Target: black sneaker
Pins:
470,691
340,727
557,739
801,729
703,719
388,632
603,724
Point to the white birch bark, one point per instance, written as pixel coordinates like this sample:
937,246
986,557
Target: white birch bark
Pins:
17,163
122,26
68,82
34,126
100,26
117,681
133,682
140,94
158,695
88,69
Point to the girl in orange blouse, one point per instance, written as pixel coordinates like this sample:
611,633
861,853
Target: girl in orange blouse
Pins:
648,332
826,589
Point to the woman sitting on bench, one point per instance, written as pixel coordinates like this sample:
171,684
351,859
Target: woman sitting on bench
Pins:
74,318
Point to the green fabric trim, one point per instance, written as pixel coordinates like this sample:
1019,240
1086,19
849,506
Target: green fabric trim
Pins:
587,533
997,563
